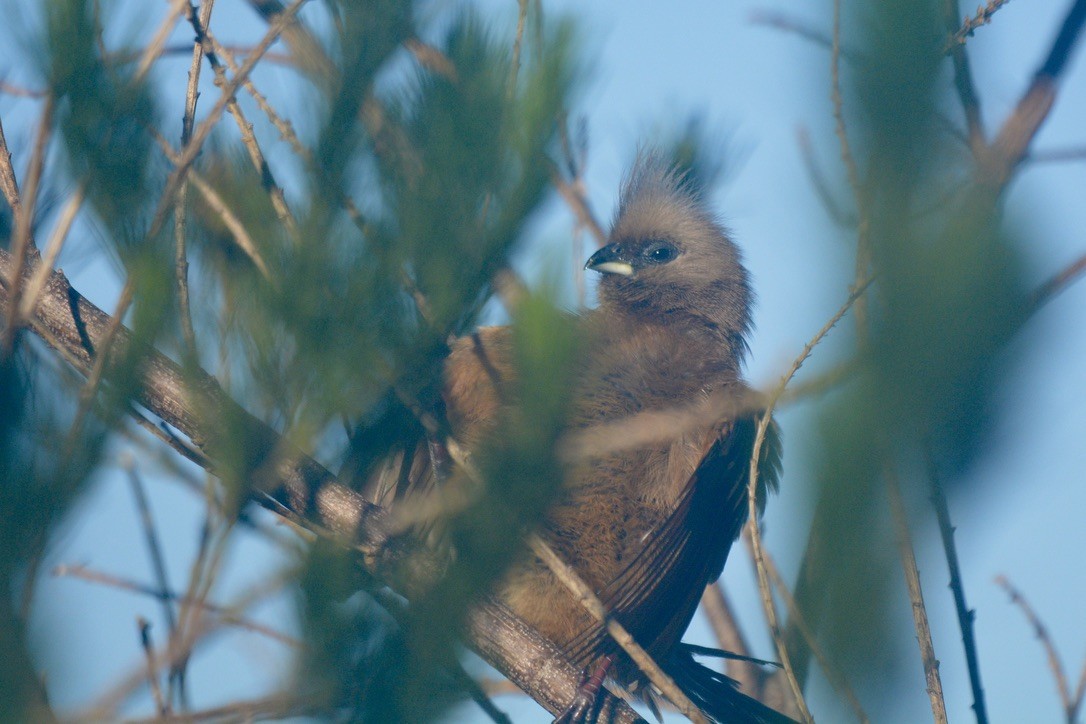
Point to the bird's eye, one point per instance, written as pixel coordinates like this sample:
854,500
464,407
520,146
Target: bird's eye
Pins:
661,253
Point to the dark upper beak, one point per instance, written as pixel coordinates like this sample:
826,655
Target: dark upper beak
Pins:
610,260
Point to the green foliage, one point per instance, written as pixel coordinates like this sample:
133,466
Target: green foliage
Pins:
105,115
354,320
521,476
946,300
349,321
43,468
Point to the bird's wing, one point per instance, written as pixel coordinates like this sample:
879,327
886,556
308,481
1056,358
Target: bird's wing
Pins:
476,373
656,594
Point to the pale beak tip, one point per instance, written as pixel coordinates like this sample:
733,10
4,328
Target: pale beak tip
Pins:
613,267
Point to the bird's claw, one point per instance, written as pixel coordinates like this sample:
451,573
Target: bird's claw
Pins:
581,710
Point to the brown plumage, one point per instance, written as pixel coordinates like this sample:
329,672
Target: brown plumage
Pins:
646,527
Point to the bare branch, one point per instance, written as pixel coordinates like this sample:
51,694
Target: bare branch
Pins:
203,131
622,637
161,705
1011,144
514,65
966,616
1039,630
150,534
916,597
752,496
963,75
8,183
52,250
25,209
819,182
718,611
959,35
579,205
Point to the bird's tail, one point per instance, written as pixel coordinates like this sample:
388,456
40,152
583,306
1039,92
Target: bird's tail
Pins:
717,695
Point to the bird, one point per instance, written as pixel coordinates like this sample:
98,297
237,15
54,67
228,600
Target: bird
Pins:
647,525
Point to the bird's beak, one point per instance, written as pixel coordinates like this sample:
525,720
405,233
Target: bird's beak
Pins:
608,260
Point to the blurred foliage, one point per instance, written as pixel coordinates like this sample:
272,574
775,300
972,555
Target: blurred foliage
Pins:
448,163
420,176
44,465
105,115
354,322
933,330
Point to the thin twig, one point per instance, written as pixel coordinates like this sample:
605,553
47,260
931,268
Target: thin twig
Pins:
579,205
22,235
916,597
983,16
767,599
230,220
575,158
104,708
963,75
202,577
245,128
56,242
622,637
8,182
1080,694
228,616
514,65
818,180
432,59
837,100
1041,633
1060,281
15,90
203,130
833,674
284,126
271,708
158,42
789,24
161,705
188,120
150,535
479,695
966,616
591,603
752,494
729,637
219,207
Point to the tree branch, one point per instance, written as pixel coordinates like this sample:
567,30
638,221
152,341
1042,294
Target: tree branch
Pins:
292,484
1010,146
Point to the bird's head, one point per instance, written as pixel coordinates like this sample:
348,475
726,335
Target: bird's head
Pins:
668,260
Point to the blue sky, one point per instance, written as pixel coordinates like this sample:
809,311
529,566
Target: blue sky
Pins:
650,64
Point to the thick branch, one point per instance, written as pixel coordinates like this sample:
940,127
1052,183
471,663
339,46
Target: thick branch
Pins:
293,484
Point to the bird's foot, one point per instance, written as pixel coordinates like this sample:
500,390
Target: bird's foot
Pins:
582,710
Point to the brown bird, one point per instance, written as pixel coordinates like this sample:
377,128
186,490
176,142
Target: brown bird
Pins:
648,520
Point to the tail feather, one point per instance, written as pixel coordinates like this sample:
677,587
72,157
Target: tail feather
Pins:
717,695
